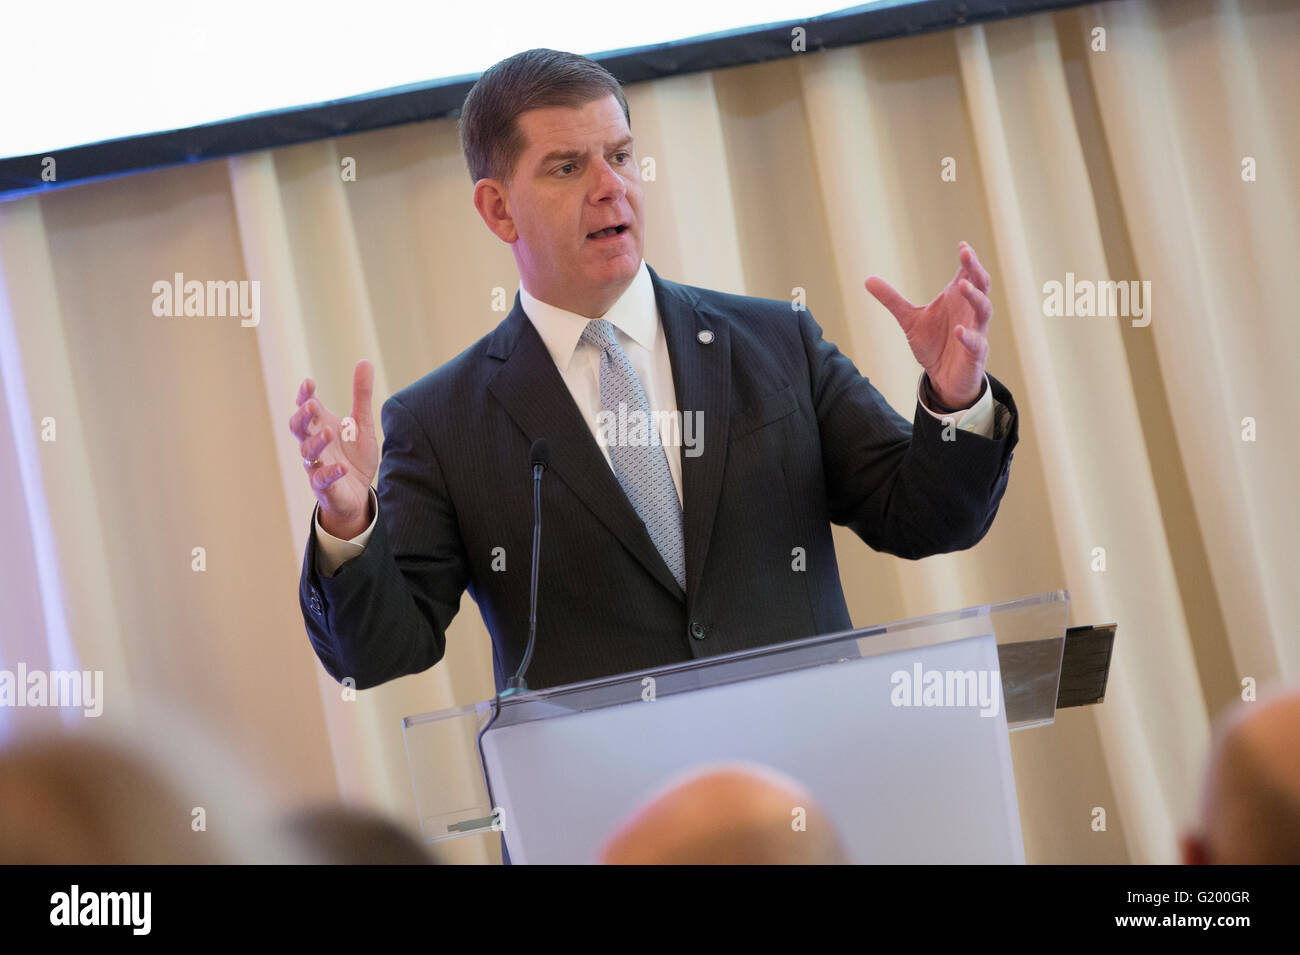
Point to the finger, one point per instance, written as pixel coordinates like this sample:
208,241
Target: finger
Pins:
314,446
976,271
363,389
964,269
980,302
323,475
300,421
888,296
306,390
975,344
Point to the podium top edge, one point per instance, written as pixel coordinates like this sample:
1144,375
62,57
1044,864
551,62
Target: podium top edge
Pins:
1052,605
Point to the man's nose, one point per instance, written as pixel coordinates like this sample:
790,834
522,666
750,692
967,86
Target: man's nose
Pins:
608,182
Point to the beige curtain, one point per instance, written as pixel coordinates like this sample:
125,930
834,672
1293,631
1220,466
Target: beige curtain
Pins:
1107,141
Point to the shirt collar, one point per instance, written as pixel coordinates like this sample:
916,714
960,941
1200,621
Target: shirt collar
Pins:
634,314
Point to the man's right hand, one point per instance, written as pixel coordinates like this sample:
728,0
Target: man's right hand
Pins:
339,471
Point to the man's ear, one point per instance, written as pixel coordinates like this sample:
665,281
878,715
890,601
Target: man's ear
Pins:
1193,849
490,199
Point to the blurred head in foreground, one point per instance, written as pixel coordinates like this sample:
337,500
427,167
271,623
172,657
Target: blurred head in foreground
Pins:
346,836
738,814
79,801
1250,799
160,789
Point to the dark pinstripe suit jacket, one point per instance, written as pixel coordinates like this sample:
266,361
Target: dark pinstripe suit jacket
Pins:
794,438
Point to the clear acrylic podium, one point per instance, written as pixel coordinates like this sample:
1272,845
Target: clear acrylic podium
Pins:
899,731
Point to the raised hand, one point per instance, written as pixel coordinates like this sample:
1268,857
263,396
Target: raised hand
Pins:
339,471
949,337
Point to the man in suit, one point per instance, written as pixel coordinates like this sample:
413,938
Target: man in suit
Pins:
660,544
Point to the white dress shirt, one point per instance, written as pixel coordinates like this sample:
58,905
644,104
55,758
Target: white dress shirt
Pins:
635,316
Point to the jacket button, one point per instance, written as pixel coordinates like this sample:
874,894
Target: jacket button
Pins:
697,630
316,607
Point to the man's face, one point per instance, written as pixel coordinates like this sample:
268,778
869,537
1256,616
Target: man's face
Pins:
577,176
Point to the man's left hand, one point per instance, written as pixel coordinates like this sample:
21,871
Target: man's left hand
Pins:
949,337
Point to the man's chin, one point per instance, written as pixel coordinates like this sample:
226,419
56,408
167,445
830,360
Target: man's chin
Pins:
617,268
606,279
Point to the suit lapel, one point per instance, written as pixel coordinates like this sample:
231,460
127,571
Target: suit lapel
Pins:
530,388
702,382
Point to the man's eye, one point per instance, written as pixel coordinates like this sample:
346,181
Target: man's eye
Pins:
565,166
627,154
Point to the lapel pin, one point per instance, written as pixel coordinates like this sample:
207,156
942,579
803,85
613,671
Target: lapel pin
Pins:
705,337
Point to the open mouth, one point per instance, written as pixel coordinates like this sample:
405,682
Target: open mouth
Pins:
607,233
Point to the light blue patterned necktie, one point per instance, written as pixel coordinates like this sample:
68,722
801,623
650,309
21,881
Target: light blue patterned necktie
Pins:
641,467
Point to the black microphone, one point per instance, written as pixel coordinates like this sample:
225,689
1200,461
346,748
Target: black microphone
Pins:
540,458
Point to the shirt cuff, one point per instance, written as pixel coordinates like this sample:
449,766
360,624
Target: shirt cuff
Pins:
977,419
333,552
